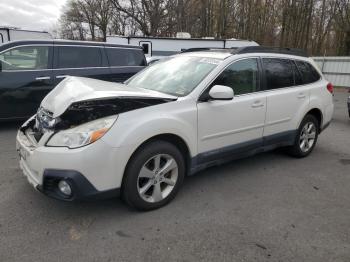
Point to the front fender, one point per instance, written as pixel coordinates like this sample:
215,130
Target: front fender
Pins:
135,127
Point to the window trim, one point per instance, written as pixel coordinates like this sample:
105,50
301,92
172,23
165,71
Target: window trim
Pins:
52,48
207,87
57,69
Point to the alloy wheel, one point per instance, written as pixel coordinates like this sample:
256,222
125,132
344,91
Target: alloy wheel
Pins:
157,178
307,137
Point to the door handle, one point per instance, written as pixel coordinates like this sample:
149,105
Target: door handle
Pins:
40,78
61,76
257,104
301,96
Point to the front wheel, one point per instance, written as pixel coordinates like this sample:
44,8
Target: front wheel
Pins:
306,137
153,176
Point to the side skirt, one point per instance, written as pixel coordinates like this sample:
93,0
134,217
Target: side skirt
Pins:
241,150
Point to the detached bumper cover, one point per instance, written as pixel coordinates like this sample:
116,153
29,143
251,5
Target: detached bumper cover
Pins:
82,189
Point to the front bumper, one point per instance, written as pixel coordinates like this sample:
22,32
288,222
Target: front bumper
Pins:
93,171
82,189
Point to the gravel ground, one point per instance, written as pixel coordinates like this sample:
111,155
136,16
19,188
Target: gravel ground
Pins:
269,207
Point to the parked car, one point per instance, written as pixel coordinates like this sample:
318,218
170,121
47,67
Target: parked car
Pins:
176,117
30,69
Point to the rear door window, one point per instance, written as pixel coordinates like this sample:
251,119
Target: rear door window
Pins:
278,73
125,57
79,57
308,72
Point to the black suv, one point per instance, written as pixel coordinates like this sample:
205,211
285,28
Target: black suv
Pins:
30,69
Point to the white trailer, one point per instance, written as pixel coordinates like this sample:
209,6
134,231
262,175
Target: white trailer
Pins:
12,34
165,46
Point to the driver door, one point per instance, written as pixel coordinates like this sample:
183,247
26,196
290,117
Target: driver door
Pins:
25,79
226,128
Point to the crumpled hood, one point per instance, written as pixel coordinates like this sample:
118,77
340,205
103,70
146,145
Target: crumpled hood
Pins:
75,89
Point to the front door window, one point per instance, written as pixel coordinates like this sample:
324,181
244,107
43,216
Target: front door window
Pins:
25,58
241,76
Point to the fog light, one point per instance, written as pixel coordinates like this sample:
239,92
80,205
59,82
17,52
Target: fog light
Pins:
65,188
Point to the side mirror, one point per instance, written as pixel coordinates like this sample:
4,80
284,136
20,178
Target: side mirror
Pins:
219,92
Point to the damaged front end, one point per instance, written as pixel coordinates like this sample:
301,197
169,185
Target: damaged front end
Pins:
82,112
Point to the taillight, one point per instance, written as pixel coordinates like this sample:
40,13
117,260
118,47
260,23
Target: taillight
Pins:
330,88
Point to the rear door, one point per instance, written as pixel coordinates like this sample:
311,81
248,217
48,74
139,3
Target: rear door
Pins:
287,97
124,62
25,79
80,60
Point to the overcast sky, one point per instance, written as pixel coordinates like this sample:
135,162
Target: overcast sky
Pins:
30,14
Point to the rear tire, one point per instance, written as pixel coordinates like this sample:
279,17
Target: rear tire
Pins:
306,137
153,176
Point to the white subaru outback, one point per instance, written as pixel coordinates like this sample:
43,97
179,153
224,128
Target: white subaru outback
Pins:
97,139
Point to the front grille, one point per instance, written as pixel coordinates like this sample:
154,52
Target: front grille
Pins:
50,184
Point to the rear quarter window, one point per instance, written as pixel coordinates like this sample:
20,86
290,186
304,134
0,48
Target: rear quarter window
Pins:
125,57
308,73
79,57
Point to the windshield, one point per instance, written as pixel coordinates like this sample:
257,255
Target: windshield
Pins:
176,75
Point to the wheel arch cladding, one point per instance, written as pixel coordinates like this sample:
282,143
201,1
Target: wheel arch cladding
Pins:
317,113
173,139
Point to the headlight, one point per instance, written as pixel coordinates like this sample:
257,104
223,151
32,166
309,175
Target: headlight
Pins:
82,135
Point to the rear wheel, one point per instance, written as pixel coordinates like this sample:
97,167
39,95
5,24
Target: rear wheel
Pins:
306,137
153,176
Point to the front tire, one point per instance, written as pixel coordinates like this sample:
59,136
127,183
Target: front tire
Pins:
153,176
306,138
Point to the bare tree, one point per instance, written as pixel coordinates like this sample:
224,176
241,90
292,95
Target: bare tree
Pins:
307,24
343,27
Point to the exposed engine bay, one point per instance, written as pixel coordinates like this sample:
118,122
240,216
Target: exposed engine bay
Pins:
85,111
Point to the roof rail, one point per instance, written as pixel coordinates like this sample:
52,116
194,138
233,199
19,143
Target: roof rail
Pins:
266,49
198,49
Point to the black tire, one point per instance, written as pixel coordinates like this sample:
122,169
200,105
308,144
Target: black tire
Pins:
130,187
296,149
